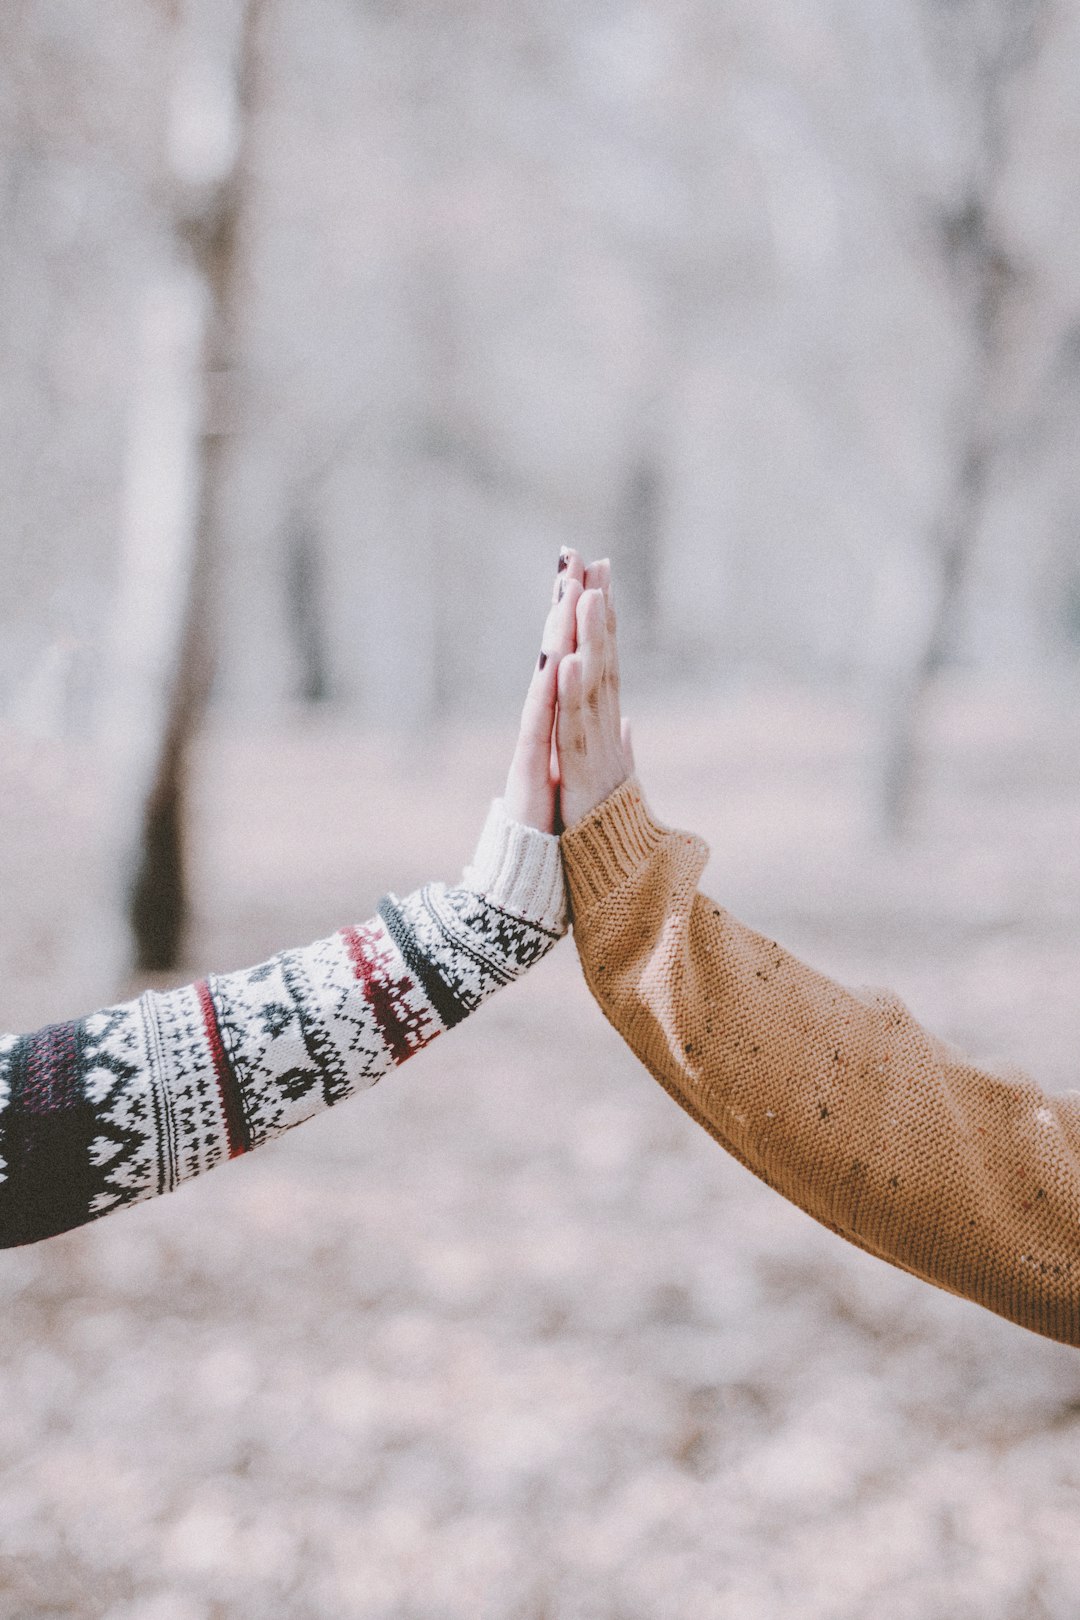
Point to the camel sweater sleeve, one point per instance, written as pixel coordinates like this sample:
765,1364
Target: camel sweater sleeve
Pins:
838,1099
128,1103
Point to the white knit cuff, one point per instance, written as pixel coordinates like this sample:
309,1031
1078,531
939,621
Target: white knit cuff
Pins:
520,870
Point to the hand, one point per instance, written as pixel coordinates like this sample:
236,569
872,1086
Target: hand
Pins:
532,787
593,740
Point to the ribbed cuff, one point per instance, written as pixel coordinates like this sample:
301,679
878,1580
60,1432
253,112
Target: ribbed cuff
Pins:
609,845
521,870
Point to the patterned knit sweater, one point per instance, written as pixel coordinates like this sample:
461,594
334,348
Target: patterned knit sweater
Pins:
837,1098
130,1102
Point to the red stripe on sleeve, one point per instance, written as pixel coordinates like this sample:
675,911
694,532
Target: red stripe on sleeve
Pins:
368,952
236,1131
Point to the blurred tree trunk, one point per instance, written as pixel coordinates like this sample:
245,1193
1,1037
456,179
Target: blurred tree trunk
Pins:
985,280
955,541
211,221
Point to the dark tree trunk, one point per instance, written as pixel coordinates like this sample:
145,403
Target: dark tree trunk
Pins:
215,236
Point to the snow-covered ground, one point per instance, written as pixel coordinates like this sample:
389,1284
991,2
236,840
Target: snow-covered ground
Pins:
509,1338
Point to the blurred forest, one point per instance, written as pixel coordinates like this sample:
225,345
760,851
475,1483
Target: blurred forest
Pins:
322,327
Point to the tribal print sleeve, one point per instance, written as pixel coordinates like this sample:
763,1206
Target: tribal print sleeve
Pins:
131,1101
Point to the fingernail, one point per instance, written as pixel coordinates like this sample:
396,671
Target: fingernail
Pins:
543,660
564,559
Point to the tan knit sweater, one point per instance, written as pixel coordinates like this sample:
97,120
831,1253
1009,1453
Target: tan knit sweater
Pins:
837,1098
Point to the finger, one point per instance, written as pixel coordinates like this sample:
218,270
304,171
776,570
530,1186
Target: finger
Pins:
611,669
570,720
570,567
563,643
608,709
628,747
598,576
592,646
560,628
538,713
559,638
560,632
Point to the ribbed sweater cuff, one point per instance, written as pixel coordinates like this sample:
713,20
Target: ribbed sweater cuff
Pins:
520,870
609,845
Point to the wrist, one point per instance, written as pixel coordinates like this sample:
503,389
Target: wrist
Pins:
577,805
611,844
518,867
532,814
530,804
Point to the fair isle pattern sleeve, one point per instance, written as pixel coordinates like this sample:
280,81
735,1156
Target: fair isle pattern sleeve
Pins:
131,1101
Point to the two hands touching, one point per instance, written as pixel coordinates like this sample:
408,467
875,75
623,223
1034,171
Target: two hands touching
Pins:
573,748
837,1099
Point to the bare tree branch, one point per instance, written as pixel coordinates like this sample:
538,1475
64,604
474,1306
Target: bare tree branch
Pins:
986,279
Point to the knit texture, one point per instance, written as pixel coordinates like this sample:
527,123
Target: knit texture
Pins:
520,869
131,1101
966,1177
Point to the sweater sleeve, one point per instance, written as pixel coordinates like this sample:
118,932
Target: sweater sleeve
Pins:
131,1101
963,1176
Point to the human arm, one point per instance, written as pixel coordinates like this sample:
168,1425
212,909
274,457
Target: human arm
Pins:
964,1176
131,1101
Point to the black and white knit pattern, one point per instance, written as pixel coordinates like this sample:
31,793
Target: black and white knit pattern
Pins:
129,1102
